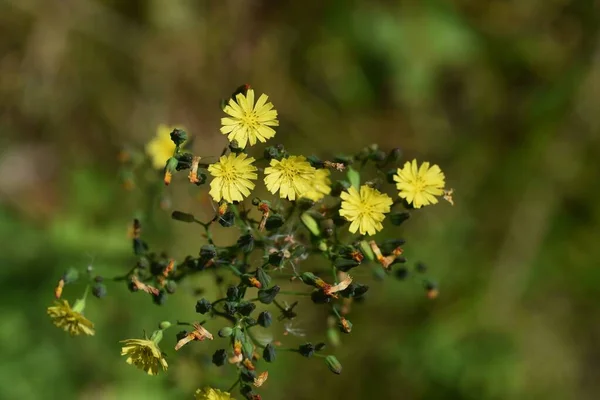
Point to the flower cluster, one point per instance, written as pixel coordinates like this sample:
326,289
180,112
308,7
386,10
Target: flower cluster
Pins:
328,210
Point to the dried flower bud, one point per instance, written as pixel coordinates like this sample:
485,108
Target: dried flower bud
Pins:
265,319
203,306
170,169
219,357
333,364
345,325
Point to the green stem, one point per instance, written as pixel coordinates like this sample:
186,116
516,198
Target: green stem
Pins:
293,293
234,385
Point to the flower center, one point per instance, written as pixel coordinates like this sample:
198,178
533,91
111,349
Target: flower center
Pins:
250,119
419,184
228,172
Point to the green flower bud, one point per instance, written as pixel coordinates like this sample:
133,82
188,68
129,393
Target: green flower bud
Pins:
320,346
164,325
71,275
171,287
178,136
230,308
266,296
203,306
398,218
248,349
333,364
247,376
157,336
310,224
227,220
322,246
99,290
183,217
208,251
309,278
250,322
276,258
234,147
263,277
389,245
219,357
304,204
233,293
318,297
246,307
265,319
274,221
315,162
160,298
225,332
345,264
366,250
269,353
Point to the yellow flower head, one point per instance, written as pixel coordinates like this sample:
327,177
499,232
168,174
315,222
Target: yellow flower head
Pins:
292,176
233,175
365,209
144,354
70,319
419,186
161,147
249,122
320,185
212,394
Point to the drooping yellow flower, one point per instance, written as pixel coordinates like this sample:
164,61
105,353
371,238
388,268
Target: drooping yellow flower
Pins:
70,319
419,186
320,185
161,147
209,393
233,175
249,122
144,354
365,209
292,177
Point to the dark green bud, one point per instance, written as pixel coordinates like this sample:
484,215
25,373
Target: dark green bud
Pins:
230,308
398,218
171,287
269,353
246,307
309,278
233,293
203,306
160,298
219,357
319,297
184,161
274,221
315,162
276,258
247,376
389,245
246,243
178,136
333,364
345,264
265,319
225,332
71,275
247,349
208,252
271,153
183,217
354,290
139,247
250,322
227,220
99,290
307,350
266,296
263,277
304,203
320,346
378,155
346,160
255,201
234,147
401,273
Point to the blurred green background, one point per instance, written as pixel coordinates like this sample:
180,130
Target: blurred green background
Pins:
502,94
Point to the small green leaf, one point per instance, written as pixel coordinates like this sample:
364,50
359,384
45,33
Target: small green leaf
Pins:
353,177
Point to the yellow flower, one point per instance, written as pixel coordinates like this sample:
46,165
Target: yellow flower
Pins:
212,394
233,174
420,186
292,176
70,319
249,122
144,354
161,147
365,209
320,185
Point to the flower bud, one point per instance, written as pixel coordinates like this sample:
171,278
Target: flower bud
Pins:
365,248
250,322
398,218
170,168
171,287
71,275
304,204
184,161
234,147
263,277
320,346
345,326
333,364
246,307
309,278
178,136
247,349
345,264
265,319
272,153
183,217
203,306
401,273
160,298
230,307
319,297
269,353
310,224
164,325
315,162
99,290
266,296
227,220
307,350
208,251
395,155
225,332
219,357
276,258
274,221
354,177
378,155
233,293
246,243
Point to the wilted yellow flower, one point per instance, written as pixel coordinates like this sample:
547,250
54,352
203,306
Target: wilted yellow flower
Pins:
419,186
320,185
249,122
292,176
233,175
161,147
71,319
209,393
365,209
144,354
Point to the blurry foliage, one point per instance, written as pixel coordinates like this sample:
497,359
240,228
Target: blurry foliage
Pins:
503,94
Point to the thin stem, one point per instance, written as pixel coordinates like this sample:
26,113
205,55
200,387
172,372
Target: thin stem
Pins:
293,293
234,385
